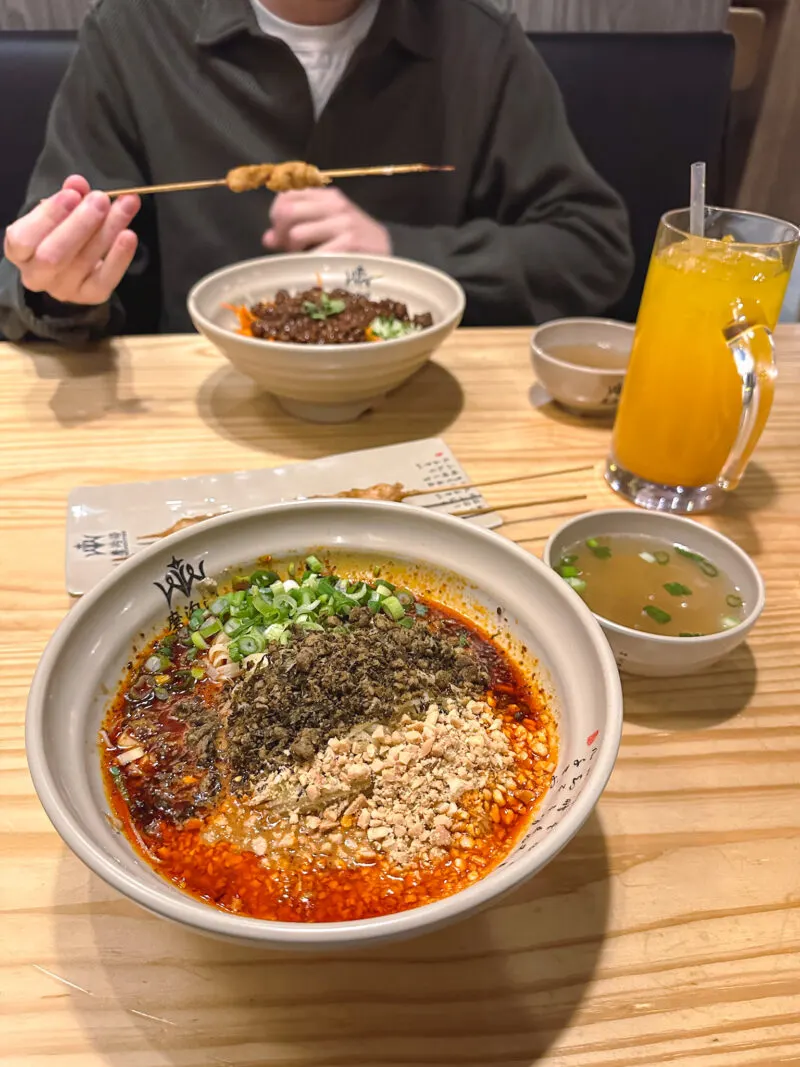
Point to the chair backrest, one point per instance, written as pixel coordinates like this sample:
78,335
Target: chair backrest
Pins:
31,68
644,107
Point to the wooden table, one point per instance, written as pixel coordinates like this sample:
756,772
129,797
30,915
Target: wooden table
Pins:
666,933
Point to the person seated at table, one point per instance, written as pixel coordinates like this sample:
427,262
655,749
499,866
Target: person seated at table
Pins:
178,89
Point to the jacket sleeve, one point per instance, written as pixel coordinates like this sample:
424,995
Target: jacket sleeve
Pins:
91,131
545,236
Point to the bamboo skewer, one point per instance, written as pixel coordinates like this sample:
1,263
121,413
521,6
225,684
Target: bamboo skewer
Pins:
513,507
330,175
465,486
497,481
542,518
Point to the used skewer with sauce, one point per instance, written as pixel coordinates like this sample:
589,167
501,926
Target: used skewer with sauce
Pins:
397,493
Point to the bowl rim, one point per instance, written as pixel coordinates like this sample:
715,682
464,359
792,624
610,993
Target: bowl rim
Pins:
303,257
664,639
210,920
540,352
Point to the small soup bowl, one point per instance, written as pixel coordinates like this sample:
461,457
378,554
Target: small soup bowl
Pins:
591,387
655,655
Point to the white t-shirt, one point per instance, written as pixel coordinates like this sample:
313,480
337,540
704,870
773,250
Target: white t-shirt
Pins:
323,51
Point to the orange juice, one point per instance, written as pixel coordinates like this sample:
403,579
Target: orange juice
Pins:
682,402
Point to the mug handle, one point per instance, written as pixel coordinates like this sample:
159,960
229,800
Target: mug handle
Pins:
753,350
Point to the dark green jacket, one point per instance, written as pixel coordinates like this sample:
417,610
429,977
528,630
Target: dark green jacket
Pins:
172,90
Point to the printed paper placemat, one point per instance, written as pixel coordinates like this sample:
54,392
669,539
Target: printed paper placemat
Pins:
108,523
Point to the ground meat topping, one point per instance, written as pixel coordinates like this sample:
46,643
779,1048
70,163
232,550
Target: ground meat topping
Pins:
299,696
308,319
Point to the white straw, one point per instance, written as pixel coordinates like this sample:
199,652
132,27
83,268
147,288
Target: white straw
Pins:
697,203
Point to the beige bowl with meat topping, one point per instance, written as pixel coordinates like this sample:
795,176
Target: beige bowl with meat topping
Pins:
327,382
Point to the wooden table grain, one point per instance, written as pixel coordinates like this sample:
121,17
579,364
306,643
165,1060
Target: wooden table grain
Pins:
666,933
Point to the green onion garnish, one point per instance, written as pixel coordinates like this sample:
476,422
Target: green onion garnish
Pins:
566,560
569,571
733,601
268,609
265,578
578,584
728,622
198,673
657,614
662,558
119,782
705,565
600,551
686,633
676,589
648,557
393,608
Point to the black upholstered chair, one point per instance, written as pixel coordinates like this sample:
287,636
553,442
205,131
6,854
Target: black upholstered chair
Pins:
31,68
644,107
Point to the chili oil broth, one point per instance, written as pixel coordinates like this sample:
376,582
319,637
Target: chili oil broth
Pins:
332,888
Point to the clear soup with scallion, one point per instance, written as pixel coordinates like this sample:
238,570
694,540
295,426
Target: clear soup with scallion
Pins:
652,585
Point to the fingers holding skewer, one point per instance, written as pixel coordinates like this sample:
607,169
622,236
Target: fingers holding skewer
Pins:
75,246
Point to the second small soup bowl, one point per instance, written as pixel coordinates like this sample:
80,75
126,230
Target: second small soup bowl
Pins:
582,362
657,655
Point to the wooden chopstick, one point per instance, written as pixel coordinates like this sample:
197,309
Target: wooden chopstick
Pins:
531,540
514,507
501,481
542,518
331,175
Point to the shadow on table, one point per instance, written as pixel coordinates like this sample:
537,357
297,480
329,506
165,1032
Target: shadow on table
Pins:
499,987
234,407
88,383
758,490
541,400
695,701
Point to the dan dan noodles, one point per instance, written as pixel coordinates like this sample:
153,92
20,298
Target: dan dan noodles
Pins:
309,746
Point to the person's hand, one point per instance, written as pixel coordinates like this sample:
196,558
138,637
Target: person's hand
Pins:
326,221
76,245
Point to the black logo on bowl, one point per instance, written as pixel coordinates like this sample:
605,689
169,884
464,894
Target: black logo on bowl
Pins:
180,577
359,279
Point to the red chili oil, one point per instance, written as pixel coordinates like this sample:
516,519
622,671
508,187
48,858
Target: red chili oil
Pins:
294,889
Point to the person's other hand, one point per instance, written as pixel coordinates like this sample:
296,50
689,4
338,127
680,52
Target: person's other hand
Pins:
74,246
324,220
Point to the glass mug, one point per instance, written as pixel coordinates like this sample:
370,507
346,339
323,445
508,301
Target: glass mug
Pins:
701,376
